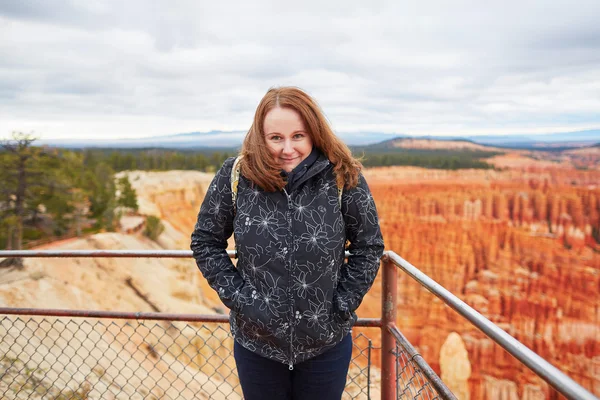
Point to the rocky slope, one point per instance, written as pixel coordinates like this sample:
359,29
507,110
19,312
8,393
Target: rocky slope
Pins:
90,358
173,196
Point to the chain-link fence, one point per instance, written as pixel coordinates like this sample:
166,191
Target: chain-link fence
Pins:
90,354
75,358
410,381
414,378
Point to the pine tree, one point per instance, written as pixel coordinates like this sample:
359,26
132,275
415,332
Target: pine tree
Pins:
19,172
37,197
103,201
127,196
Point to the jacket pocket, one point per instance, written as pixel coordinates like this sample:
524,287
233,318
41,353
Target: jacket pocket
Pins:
254,318
343,315
253,323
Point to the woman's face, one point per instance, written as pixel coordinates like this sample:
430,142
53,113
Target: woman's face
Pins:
287,139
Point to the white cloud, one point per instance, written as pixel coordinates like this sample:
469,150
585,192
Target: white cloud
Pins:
138,68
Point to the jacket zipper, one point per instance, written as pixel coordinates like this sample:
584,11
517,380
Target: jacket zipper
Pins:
289,286
312,173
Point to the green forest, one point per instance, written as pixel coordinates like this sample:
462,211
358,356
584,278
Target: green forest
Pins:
437,159
50,193
156,159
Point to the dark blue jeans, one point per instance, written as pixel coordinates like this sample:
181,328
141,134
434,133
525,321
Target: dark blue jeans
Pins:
320,378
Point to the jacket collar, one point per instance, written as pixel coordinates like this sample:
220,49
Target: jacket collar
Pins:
309,167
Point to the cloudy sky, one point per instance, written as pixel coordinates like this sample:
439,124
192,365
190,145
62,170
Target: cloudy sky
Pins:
135,68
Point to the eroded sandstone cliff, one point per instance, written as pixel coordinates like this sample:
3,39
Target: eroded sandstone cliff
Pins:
520,247
173,196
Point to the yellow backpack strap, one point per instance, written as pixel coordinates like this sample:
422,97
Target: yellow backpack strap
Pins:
340,192
235,178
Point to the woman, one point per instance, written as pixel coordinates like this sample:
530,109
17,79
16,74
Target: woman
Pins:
292,296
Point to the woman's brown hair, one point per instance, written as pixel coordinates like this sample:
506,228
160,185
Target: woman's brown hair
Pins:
258,164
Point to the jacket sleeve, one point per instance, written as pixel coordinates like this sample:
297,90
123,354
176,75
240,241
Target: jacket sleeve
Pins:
366,248
209,239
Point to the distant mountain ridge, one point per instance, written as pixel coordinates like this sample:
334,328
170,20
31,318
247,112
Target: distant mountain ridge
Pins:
418,143
233,139
590,136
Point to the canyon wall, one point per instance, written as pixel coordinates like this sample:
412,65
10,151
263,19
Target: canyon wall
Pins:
173,196
520,246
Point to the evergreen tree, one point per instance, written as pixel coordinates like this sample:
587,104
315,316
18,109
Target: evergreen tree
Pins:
127,196
102,199
21,171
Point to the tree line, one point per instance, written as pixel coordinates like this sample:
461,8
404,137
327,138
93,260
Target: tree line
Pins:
436,159
156,159
211,160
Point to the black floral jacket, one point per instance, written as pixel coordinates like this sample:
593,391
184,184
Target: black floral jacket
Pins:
292,295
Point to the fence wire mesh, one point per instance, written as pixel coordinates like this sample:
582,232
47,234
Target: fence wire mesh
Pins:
75,358
411,383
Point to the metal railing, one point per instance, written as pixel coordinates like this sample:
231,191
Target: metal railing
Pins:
404,372
410,375
552,375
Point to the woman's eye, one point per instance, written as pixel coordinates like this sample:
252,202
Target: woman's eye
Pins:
275,137
298,136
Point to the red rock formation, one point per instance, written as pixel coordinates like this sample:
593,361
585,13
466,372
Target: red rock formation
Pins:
519,248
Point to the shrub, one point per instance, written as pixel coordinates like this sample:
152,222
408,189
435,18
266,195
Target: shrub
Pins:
154,227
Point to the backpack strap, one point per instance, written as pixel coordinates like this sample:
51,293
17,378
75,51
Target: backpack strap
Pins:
235,179
340,192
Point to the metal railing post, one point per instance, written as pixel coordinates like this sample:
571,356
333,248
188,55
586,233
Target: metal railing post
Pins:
388,317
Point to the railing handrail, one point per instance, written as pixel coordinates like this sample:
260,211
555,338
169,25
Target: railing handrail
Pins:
556,378
104,253
100,253
150,316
